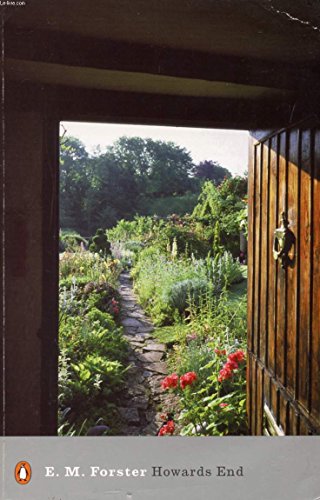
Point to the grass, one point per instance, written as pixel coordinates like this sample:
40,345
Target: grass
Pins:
170,335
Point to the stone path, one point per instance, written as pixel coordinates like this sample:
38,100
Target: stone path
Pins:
144,400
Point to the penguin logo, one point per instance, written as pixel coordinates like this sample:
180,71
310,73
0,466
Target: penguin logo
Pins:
22,472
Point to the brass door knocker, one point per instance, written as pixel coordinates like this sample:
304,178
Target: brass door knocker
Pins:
282,242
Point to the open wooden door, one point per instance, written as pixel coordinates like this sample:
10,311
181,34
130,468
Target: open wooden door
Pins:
283,388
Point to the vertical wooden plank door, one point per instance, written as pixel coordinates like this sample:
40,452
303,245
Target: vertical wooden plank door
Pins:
283,370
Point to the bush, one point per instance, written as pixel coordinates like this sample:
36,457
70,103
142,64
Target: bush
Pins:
220,213
225,269
83,267
100,243
71,241
138,229
167,285
182,293
155,275
164,206
161,233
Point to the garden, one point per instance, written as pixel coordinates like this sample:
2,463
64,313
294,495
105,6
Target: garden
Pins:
189,277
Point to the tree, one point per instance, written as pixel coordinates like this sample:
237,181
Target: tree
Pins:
220,210
98,190
160,168
211,170
75,182
114,192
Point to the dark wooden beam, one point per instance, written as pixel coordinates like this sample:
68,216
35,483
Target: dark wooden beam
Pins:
49,328
31,264
74,50
76,104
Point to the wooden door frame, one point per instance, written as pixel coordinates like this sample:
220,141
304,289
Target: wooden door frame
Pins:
49,104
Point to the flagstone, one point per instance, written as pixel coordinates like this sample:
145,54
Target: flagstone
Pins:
154,347
152,356
143,398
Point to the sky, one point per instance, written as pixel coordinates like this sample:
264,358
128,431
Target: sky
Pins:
227,147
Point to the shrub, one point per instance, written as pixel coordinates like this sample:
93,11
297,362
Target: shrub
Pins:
222,205
84,267
100,243
167,285
161,232
167,205
155,276
225,269
71,241
183,292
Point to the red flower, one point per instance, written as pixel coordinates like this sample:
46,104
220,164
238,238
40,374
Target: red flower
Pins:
167,428
170,427
187,379
170,382
224,374
237,356
223,405
230,365
220,352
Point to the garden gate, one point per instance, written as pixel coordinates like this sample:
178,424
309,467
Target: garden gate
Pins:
283,390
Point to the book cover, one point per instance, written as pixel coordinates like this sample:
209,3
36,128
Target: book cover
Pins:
160,312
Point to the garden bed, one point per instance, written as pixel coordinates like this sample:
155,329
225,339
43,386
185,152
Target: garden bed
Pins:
93,350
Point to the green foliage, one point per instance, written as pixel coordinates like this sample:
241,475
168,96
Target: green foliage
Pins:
162,233
167,286
93,350
114,191
75,172
183,292
160,168
89,334
210,406
171,335
134,175
95,372
83,267
139,229
195,289
167,205
242,219
183,269
211,170
192,357
220,212
71,241
213,408
144,176
154,275
100,243
225,269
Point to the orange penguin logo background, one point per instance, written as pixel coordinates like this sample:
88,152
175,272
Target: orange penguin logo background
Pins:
22,472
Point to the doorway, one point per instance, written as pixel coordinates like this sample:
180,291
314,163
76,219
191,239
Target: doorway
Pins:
162,197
